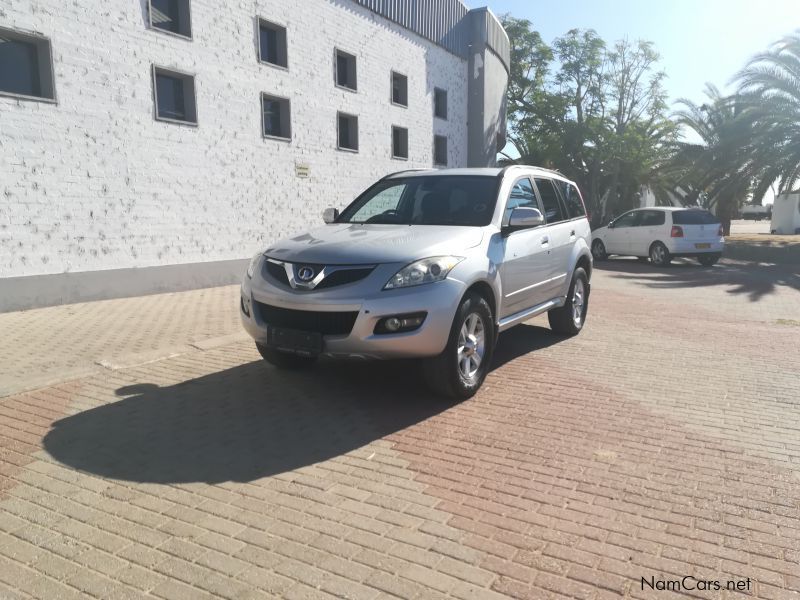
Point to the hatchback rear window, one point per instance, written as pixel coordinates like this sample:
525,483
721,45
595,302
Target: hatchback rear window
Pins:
693,217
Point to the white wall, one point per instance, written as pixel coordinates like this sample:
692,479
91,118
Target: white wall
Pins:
95,182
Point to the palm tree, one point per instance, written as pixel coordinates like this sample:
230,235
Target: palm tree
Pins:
770,85
718,168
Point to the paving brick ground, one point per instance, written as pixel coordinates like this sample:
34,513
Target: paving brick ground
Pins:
664,441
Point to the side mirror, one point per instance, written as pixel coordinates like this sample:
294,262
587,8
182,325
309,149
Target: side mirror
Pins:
525,218
329,215
610,225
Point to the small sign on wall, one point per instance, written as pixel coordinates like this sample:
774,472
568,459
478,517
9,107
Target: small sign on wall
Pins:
302,169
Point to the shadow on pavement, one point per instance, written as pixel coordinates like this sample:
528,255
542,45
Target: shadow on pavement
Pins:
252,421
753,280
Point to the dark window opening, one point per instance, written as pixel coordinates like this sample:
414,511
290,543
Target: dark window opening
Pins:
174,93
572,200
346,70
26,67
440,150
348,132
172,16
440,103
276,116
272,44
399,142
399,89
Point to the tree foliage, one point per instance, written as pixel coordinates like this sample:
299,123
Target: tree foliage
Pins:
598,113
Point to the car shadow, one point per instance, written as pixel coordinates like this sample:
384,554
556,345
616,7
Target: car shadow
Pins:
252,420
751,279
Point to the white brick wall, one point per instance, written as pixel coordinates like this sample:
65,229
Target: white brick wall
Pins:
95,182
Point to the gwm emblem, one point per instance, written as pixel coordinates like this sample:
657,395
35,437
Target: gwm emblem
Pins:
305,273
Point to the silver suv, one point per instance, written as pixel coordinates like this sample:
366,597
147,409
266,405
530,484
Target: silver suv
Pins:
427,264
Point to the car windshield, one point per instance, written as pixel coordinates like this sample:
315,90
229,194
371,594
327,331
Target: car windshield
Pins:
426,200
693,217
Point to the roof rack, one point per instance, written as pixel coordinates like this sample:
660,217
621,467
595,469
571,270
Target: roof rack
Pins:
403,171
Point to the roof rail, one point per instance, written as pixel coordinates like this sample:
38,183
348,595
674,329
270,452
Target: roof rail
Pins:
403,171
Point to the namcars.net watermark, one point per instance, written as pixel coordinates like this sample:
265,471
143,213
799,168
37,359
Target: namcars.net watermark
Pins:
691,583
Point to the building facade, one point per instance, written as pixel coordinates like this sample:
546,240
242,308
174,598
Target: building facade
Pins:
154,145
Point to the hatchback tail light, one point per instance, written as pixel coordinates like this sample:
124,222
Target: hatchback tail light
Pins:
721,231
676,231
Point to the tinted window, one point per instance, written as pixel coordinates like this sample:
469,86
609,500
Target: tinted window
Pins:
444,200
627,220
552,207
572,199
19,67
651,218
693,217
171,102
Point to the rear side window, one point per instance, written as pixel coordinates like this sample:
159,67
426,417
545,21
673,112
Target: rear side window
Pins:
572,200
552,207
651,218
693,217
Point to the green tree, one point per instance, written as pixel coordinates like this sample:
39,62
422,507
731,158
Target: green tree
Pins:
770,87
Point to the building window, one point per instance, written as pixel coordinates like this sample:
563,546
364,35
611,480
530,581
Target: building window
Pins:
276,117
174,95
348,132
346,70
172,16
399,142
399,89
26,65
440,150
440,103
272,43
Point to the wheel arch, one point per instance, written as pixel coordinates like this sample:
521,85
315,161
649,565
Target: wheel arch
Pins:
485,290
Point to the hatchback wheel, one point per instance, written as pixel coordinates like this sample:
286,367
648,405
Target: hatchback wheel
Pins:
708,260
659,255
599,250
569,319
459,371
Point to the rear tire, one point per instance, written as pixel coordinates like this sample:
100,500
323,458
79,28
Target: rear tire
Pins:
285,360
454,373
569,319
599,250
659,255
708,260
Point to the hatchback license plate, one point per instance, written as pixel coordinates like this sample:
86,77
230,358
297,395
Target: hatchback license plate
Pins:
305,343
702,246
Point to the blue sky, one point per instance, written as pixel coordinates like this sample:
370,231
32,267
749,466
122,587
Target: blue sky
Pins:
699,40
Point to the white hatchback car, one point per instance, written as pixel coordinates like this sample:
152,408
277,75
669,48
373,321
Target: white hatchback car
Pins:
661,233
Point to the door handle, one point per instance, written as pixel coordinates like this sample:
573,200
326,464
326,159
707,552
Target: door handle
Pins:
545,241
572,233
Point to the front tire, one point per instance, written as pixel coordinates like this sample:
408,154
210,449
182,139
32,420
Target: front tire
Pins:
599,250
284,360
569,319
459,371
708,260
659,255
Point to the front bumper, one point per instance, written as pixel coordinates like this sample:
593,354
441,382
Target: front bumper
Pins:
439,300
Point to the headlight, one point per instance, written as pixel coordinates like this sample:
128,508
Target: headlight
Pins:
251,268
426,270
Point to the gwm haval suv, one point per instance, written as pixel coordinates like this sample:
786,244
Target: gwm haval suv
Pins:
427,264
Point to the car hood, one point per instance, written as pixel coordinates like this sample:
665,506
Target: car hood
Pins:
348,244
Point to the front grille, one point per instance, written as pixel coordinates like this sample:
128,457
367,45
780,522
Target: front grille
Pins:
326,323
340,277
344,276
278,272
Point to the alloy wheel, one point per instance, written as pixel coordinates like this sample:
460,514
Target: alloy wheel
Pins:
471,345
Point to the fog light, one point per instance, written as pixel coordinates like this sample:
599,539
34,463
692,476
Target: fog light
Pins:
400,323
393,324
245,306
